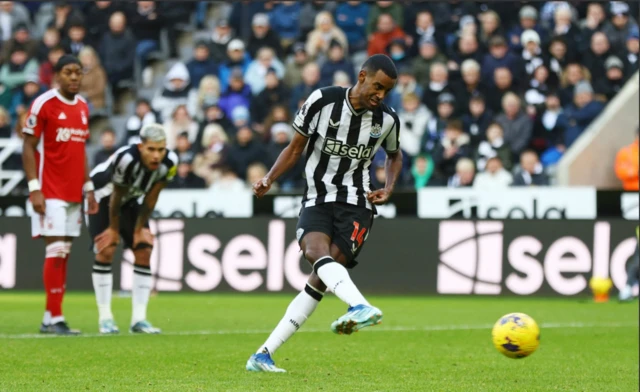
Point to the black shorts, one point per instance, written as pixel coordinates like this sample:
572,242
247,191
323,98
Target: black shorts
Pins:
128,216
347,225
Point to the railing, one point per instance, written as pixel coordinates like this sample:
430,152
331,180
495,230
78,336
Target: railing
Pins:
9,179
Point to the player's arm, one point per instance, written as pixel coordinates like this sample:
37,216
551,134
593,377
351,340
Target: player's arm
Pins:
115,201
392,165
29,147
88,188
286,160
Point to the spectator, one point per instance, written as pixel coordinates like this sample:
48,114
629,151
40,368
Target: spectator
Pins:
144,115
557,59
465,174
406,84
238,58
310,82
94,84
240,117
46,71
220,37
274,93
295,64
262,36
549,126
341,79
6,96
385,33
466,48
23,98
472,83
237,95
320,38
437,124
531,172
185,177
627,165
582,112
490,28
228,182
117,50
12,14
148,22
594,21
309,15
565,28
60,16
201,64
97,20
538,89
107,146
494,146
336,62
499,57
597,54
208,93
453,146
428,54
76,37
277,114
391,8
503,84
413,117
398,52
21,37
281,135
184,149
51,39
439,84
257,71
180,122
631,54
611,85
478,119
351,18
245,151
528,21
531,53
516,124
572,74
214,145
257,171
285,22
174,92
14,73
495,176
425,28
422,171
618,28
213,115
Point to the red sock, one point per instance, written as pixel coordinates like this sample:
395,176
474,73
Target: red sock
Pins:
54,277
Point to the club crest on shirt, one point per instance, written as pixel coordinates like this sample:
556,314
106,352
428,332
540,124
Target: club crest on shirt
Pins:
376,131
32,121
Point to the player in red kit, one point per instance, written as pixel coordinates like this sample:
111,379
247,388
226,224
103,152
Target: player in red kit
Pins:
55,163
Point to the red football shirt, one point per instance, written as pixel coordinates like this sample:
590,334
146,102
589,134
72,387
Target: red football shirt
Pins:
63,128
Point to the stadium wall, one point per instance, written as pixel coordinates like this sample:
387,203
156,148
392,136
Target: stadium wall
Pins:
590,160
402,256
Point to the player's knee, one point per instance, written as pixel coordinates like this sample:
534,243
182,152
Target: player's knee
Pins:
316,283
314,253
106,255
143,256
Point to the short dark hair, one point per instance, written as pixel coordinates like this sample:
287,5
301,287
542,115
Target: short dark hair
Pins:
455,124
380,62
66,60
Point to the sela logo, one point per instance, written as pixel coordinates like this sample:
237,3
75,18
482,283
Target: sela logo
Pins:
336,147
8,256
75,135
473,256
468,208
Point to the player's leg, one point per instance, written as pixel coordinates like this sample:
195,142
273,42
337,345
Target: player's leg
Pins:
626,293
351,229
52,226
142,279
102,275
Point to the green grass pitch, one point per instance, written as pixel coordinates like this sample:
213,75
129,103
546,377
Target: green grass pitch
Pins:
423,344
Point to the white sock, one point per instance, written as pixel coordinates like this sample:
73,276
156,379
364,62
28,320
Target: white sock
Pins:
336,277
141,290
103,286
46,319
297,313
56,320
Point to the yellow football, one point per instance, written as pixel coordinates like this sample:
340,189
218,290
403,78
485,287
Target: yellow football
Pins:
516,335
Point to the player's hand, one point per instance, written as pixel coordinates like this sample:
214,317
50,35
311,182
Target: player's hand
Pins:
142,236
379,196
92,204
261,187
37,200
107,238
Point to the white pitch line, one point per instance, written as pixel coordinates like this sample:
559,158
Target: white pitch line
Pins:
426,328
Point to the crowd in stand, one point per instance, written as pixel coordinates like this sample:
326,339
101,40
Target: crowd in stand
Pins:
489,94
